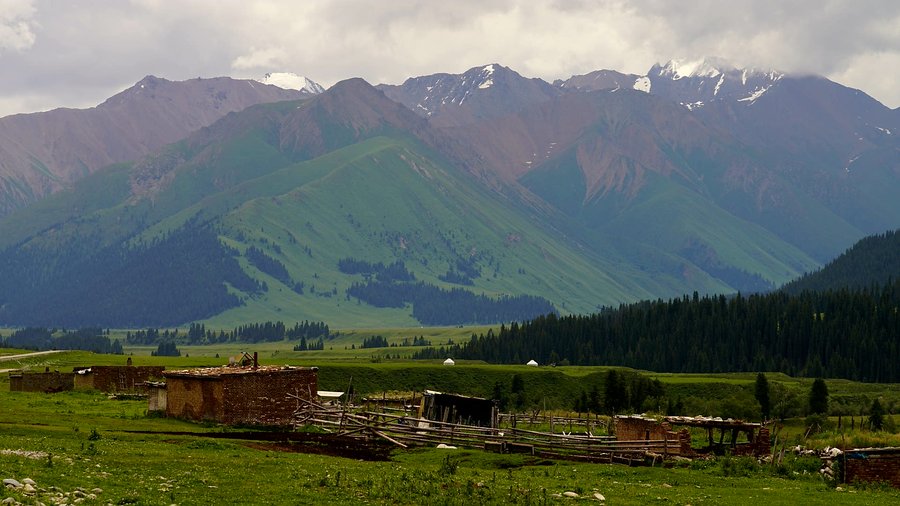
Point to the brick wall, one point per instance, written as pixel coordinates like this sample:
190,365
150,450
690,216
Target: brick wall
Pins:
125,378
872,466
262,397
48,382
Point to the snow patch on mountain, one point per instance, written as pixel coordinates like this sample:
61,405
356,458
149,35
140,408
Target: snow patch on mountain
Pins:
292,81
642,84
758,92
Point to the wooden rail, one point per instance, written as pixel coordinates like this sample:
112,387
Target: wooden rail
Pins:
405,431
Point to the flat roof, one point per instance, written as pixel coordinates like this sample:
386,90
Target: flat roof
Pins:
216,372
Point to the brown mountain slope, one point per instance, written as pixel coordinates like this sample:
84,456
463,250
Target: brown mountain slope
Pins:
44,152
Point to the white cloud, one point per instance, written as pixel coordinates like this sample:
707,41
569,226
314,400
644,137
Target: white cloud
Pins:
82,52
16,25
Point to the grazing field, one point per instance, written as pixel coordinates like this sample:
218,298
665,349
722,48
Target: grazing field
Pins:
83,440
83,444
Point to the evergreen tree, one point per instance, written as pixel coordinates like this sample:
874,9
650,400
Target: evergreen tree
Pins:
615,394
818,397
876,415
762,396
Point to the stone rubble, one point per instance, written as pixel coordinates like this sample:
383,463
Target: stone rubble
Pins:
52,495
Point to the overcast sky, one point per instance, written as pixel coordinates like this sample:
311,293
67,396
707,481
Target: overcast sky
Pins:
77,53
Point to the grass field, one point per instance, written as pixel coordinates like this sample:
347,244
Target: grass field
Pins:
82,441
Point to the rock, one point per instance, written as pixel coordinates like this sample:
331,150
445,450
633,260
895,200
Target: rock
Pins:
28,489
598,496
8,500
12,482
839,489
79,493
666,485
29,481
97,490
446,447
570,494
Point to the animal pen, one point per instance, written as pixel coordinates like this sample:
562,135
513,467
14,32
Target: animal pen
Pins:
451,420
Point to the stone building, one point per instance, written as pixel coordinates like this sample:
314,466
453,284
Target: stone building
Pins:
239,395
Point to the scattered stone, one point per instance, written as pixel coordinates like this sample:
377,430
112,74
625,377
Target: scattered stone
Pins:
28,489
97,490
839,489
570,494
12,483
598,496
666,485
29,481
8,500
446,447
79,493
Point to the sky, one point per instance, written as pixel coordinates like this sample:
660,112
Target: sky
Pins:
68,53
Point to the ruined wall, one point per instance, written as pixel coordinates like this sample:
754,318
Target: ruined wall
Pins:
632,428
262,397
157,399
194,398
47,382
126,378
872,466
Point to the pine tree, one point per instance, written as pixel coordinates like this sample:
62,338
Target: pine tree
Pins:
762,396
818,397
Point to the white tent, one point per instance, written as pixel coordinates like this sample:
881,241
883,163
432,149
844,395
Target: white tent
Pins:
449,361
532,363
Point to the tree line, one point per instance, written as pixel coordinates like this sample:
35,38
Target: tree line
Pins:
87,339
853,334
198,334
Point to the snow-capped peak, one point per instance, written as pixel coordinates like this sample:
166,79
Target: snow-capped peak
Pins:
706,67
292,81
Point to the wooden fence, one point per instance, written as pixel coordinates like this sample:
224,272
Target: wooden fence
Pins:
405,431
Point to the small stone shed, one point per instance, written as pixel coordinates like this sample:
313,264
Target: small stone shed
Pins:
237,395
117,378
47,382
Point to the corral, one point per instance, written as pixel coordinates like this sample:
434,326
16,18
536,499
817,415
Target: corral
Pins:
264,395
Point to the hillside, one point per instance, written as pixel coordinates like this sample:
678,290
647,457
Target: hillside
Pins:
274,179
45,152
870,262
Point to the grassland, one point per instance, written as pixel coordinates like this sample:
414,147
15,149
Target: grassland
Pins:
83,439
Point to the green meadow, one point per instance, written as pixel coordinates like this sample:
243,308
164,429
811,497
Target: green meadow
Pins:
81,442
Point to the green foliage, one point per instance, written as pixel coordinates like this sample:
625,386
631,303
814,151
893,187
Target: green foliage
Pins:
762,393
818,397
791,334
876,416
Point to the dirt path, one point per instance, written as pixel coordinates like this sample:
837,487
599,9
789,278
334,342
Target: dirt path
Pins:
7,358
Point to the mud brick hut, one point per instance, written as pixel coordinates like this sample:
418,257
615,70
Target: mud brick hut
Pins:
116,378
239,395
47,382
458,409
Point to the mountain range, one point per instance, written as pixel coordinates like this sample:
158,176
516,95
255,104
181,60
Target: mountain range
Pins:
453,198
